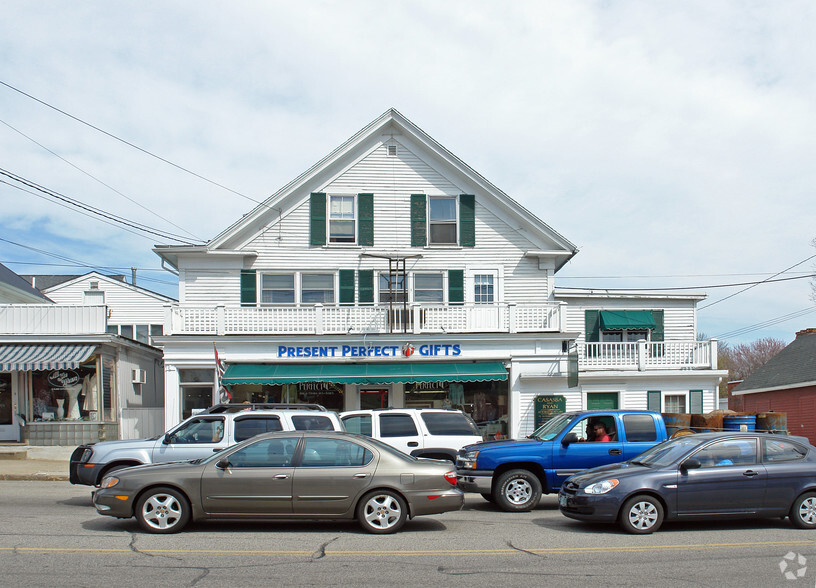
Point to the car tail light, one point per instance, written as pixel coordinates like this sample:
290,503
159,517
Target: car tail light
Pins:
451,477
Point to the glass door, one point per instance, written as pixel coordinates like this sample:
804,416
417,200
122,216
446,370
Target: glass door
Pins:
373,398
9,429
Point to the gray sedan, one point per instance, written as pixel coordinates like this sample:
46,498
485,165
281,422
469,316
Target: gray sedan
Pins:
295,475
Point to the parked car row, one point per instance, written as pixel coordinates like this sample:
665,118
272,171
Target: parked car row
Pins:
308,473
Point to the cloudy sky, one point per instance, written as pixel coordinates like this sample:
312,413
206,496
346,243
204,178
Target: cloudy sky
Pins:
672,142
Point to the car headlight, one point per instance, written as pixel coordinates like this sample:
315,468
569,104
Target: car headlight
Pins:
86,455
468,461
601,487
109,482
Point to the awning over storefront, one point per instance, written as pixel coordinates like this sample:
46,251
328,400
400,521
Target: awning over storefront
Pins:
43,357
616,320
366,373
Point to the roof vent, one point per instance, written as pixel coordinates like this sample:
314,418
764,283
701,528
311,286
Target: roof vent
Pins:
94,285
392,150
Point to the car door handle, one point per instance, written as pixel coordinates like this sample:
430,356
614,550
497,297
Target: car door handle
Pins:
413,443
360,475
615,451
750,473
281,477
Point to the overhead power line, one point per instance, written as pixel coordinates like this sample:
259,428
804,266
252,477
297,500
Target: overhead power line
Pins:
767,323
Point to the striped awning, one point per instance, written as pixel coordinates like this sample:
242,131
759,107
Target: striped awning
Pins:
43,357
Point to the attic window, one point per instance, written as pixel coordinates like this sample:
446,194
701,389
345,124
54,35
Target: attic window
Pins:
94,285
392,150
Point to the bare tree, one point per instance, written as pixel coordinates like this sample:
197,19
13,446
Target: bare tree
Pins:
743,359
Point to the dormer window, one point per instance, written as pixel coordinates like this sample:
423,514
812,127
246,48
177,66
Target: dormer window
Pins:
342,221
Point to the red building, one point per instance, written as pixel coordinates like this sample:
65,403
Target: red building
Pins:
787,383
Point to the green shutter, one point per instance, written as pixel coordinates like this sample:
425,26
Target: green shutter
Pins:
365,212
696,401
317,218
467,220
456,286
249,288
346,286
365,286
657,334
419,220
593,326
653,402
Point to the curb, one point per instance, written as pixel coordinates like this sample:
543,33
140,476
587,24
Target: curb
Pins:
37,476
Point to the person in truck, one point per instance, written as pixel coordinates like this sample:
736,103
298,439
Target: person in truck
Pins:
600,432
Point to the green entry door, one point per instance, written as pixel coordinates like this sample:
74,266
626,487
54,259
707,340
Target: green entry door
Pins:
602,400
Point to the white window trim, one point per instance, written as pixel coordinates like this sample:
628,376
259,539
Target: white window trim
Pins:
470,284
412,285
356,220
456,222
664,394
298,286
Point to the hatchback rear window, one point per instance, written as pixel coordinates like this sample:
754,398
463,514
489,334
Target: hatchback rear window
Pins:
449,423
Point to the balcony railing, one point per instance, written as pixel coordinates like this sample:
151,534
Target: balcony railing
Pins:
52,319
321,319
648,355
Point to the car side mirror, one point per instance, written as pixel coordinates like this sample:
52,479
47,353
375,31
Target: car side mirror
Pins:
569,438
690,464
222,464
167,439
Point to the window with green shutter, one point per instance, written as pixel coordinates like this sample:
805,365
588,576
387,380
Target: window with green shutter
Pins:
658,331
365,212
419,220
365,286
467,220
317,218
456,286
696,401
346,286
593,325
249,288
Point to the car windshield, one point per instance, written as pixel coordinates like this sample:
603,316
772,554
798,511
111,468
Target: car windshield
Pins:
552,427
667,452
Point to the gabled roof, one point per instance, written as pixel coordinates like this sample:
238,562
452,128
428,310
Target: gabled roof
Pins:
15,289
45,281
793,367
390,123
114,281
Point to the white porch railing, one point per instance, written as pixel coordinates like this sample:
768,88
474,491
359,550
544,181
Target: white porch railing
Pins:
647,355
321,319
52,319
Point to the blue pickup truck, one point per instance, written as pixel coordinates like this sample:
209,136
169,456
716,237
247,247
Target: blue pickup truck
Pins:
514,474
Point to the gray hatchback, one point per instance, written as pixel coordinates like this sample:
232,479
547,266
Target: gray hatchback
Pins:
294,475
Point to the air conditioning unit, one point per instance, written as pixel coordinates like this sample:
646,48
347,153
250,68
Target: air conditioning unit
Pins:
139,376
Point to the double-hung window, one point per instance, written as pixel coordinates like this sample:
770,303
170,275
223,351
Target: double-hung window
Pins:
278,289
442,220
428,288
317,288
392,288
342,221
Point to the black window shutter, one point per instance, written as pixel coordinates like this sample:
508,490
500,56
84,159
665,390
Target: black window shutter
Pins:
658,334
456,286
346,286
365,286
419,221
593,326
696,401
249,288
365,212
653,402
317,218
467,220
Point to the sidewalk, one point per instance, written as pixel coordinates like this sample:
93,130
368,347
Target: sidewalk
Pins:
27,462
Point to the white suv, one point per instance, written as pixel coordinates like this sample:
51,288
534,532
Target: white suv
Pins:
197,437
437,433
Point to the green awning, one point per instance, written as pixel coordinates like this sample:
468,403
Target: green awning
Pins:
363,373
616,320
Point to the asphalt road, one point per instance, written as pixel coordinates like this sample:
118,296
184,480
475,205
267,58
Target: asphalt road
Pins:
51,536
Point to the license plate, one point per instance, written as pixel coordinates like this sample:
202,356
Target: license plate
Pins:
562,500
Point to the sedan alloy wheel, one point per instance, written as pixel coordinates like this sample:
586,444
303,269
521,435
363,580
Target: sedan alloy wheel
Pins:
162,510
382,512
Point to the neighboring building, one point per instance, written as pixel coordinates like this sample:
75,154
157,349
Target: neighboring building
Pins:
786,383
392,274
15,290
66,377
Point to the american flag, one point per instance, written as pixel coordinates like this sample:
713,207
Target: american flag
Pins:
223,394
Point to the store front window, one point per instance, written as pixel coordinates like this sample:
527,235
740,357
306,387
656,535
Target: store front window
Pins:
197,388
485,402
68,394
326,394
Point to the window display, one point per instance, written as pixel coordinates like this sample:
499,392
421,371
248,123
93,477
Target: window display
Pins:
65,394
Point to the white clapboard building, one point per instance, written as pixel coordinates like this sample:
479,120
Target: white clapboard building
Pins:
393,274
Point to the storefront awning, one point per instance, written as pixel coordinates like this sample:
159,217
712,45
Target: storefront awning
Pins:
43,357
616,320
366,373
